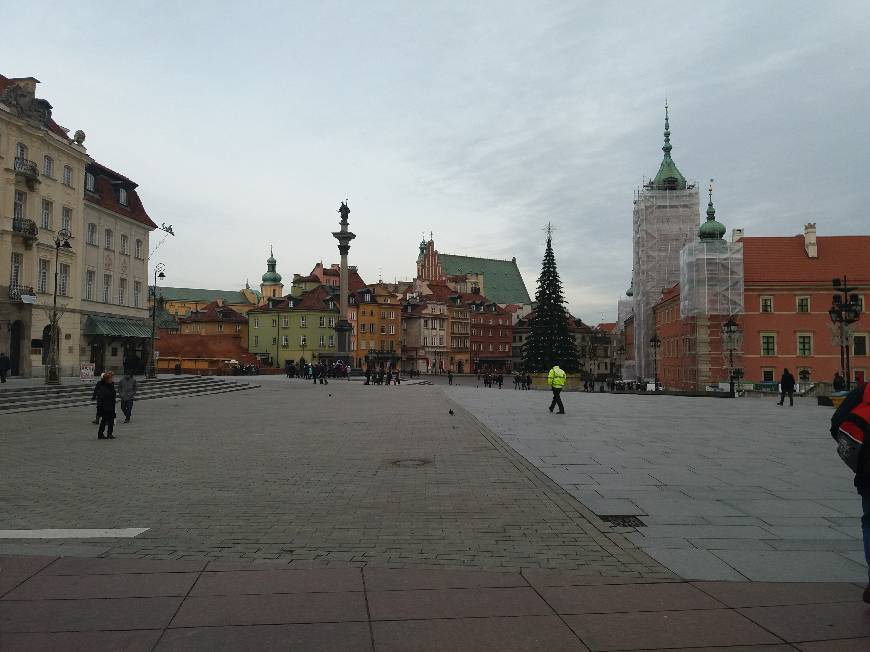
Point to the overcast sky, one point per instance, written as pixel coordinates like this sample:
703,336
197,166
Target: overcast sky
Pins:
245,124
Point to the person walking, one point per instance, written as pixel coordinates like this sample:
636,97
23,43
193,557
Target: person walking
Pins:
786,386
839,382
105,396
449,377
556,380
856,405
127,387
5,366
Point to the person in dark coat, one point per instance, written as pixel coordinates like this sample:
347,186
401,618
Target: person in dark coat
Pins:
5,366
105,396
862,477
786,386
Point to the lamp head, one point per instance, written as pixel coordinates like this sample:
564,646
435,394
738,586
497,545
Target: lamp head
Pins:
161,275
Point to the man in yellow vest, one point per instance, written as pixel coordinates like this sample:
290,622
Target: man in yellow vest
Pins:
556,380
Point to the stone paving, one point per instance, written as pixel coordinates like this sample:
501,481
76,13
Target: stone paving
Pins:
300,475
116,604
727,489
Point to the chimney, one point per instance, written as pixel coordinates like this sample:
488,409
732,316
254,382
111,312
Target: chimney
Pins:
26,84
737,234
810,240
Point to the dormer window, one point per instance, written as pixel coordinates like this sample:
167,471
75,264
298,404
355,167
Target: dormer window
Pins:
90,182
122,196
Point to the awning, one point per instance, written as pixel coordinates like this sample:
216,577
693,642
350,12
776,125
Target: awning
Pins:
117,326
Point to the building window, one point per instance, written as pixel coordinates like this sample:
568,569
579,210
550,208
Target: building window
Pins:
859,345
805,344
107,288
303,322
238,328
125,245
19,207
109,239
285,341
392,314
66,219
256,341
383,329
90,281
67,175
122,196
122,292
20,150
332,340
766,304
138,249
392,329
90,182
322,323
322,338
274,341
137,294
768,344
42,277
92,233
48,166
256,322
274,323
285,322
303,340
803,304
47,209
17,263
63,274
332,322
768,375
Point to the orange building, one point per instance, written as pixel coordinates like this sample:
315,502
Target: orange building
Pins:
377,321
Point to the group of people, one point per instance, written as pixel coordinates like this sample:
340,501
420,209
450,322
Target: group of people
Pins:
106,395
318,373
382,376
490,380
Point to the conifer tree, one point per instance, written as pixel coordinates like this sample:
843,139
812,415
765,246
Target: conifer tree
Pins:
549,341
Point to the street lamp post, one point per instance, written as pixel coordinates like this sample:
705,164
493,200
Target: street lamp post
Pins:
730,331
845,311
52,375
151,372
655,342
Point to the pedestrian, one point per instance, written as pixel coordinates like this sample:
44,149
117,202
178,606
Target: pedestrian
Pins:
127,387
5,366
856,409
556,380
449,377
500,380
839,382
528,381
786,386
95,397
104,394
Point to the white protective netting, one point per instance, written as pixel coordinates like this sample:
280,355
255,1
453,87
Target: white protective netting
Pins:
663,222
711,278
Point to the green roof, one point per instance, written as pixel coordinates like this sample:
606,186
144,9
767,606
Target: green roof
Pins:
502,281
205,296
668,177
117,326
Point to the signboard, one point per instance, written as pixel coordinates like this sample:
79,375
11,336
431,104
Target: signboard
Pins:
86,371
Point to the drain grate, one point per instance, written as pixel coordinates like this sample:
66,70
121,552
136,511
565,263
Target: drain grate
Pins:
411,462
622,521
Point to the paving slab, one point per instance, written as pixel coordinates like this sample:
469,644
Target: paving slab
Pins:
324,637
767,594
132,641
797,623
793,566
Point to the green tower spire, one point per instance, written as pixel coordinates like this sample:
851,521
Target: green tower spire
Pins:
711,229
668,177
271,275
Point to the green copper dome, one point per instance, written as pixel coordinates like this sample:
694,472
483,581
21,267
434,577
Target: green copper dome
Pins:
668,177
711,229
271,276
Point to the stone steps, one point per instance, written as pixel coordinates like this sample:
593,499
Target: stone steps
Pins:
30,399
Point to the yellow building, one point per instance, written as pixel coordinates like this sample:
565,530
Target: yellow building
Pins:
180,302
376,315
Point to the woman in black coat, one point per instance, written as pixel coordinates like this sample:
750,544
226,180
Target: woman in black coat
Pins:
104,392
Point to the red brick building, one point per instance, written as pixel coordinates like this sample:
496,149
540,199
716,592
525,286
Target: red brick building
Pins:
491,335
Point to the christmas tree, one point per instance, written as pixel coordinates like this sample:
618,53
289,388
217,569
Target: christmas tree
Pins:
549,341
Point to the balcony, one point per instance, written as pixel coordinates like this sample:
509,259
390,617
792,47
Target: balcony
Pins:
22,293
26,228
26,169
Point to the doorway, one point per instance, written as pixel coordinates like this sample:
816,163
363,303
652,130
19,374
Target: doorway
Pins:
15,347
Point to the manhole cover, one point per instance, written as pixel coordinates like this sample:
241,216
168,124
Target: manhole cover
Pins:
411,462
623,521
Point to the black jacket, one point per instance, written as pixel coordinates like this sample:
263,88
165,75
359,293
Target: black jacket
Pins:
853,398
5,364
105,394
787,382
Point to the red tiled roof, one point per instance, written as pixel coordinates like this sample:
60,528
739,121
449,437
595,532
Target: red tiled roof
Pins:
607,326
106,197
214,313
784,260
52,125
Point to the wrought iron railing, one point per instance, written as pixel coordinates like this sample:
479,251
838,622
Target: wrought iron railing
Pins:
26,167
25,227
16,291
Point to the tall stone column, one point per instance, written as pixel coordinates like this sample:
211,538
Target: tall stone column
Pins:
342,327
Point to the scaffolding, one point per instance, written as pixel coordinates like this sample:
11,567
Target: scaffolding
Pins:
711,278
664,221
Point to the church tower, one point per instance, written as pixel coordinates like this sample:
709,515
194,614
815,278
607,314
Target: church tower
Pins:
271,286
665,218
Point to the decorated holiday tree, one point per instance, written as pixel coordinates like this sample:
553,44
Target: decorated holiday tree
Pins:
549,341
